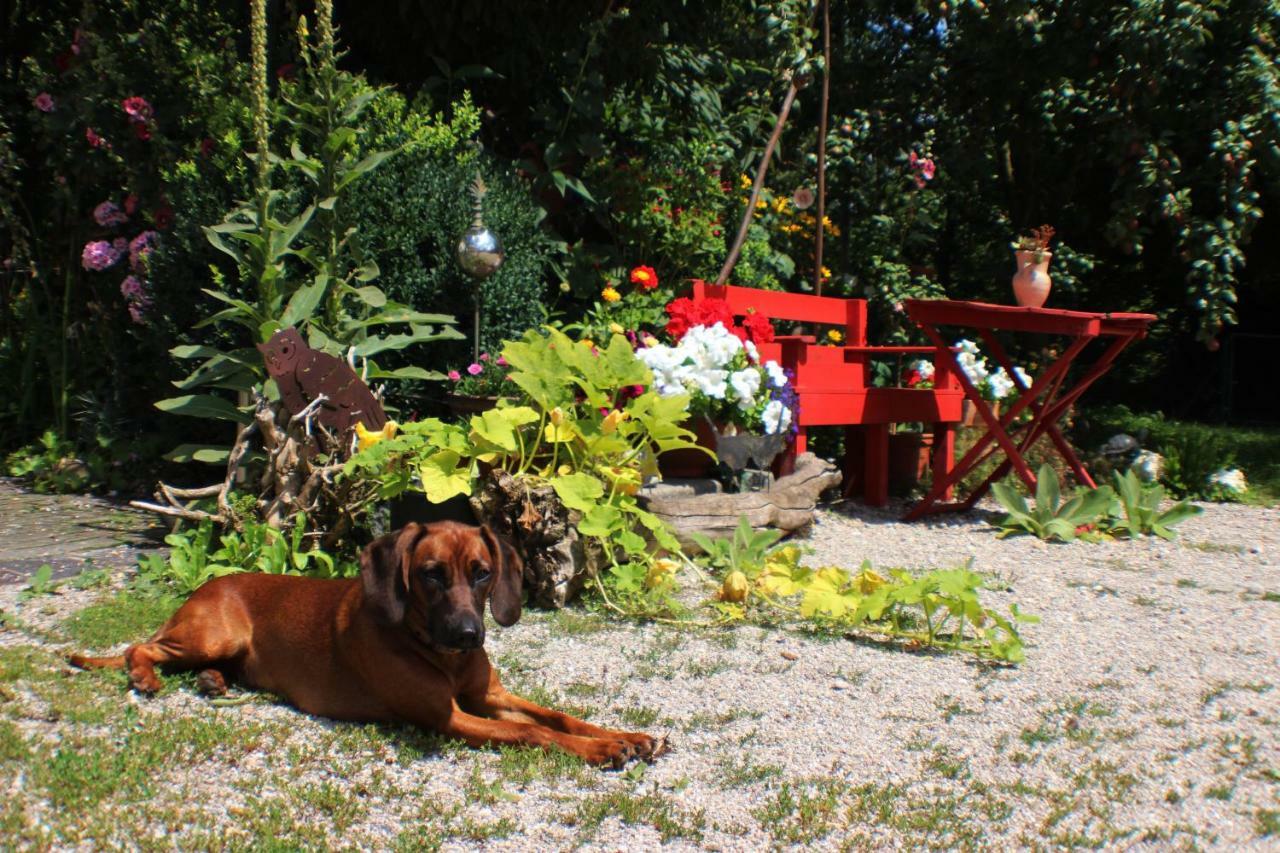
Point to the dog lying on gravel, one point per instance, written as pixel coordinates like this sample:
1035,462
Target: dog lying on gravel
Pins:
402,643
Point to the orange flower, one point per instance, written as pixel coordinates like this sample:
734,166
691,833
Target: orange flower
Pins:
645,277
610,294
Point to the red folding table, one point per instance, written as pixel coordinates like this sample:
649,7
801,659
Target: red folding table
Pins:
1081,327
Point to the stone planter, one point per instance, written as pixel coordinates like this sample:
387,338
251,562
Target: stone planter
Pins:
687,463
464,405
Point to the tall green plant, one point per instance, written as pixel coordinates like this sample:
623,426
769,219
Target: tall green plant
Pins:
306,272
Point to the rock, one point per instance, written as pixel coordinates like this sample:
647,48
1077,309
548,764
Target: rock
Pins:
787,506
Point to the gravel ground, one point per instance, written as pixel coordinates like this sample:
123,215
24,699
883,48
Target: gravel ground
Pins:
1145,715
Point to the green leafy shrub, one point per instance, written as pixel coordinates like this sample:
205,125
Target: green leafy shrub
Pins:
1051,518
414,207
255,547
1192,455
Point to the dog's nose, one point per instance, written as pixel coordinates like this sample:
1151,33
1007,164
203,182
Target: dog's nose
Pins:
468,637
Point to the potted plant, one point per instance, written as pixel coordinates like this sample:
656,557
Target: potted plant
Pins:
557,470
478,386
1031,280
993,385
731,390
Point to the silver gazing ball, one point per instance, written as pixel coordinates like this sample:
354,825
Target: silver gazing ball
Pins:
479,251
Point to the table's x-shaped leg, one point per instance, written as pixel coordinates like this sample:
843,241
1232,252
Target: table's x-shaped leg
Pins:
1045,416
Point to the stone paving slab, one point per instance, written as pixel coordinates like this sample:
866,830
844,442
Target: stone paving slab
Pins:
69,532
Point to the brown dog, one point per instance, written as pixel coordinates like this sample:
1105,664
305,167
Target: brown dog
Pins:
403,643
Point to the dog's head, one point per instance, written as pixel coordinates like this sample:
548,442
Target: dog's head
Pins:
434,579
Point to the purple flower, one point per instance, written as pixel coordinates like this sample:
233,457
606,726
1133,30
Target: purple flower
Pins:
137,312
99,255
131,288
141,247
108,214
44,102
474,369
120,244
454,375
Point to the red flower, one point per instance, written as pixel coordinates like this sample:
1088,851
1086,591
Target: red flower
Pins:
758,328
130,204
138,109
645,277
142,132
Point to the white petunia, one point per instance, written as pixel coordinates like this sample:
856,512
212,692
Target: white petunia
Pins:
924,368
745,384
773,417
777,376
752,352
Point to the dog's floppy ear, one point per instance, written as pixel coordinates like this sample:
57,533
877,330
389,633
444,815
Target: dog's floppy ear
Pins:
508,586
382,572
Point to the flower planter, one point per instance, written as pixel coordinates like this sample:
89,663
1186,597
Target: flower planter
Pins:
467,404
687,463
969,412
909,454
1031,282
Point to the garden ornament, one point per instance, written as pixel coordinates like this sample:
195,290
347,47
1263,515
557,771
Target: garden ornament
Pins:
479,251
1120,450
404,642
305,375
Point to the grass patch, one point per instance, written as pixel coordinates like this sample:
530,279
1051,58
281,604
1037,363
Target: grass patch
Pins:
524,765
1266,822
124,618
800,814
739,770
640,717
13,746
653,809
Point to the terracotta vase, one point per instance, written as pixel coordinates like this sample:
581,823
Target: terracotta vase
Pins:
1031,281
687,463
908,460
969,412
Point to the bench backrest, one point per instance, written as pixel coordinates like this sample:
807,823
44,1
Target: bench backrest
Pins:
849,314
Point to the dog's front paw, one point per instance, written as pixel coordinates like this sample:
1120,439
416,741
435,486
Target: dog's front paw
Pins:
646,746
608,752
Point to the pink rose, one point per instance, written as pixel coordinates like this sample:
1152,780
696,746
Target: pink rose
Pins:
475,369
454,375
44,102
502,361
484,356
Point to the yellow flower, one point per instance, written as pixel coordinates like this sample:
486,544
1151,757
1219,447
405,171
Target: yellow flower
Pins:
808,219
557,416
368,438
610,294
616,328
761,204
826,273
650,341
611,421
587,342
734,587
835,336
780,205
745,181
564,287
661,569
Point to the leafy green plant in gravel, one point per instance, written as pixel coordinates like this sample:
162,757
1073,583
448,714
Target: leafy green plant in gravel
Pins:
583,429
1052,518
256,547
936,609
1142,514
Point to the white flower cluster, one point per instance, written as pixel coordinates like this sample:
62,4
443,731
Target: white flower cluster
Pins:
713,362
924,368
1231,479
995,384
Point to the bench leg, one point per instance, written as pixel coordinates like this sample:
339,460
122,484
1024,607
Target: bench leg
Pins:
944,454
876,465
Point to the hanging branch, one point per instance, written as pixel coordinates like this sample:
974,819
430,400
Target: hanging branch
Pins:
732,259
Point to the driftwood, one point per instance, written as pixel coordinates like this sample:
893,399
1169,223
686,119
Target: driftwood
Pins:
557,561
300,472
788,505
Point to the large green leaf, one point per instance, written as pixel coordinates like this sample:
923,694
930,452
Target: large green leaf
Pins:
442,478
304,301
203,406
207,453
578,491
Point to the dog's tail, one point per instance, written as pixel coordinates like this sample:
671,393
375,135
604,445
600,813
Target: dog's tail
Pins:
84,662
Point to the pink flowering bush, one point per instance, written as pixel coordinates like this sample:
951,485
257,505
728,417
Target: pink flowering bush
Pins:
484,378
99,255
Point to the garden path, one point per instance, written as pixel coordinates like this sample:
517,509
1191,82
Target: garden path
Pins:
67,532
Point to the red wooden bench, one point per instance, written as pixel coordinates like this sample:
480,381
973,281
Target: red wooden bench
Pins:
834,387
